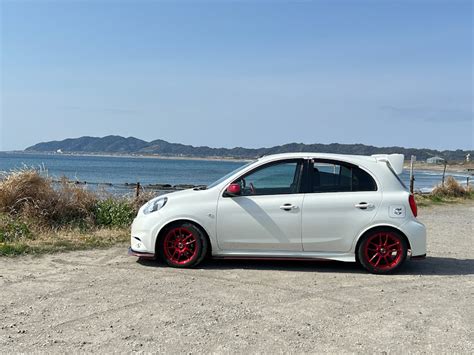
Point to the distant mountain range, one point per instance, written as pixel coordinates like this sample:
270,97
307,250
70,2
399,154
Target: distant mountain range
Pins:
131,145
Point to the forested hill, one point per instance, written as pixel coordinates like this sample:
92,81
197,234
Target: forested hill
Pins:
131,145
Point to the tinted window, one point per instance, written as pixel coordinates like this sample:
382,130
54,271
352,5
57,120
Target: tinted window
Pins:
273,179
334,177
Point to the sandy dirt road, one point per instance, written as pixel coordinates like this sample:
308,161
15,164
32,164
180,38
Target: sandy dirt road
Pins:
104,301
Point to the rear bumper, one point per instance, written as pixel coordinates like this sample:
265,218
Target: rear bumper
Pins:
140,254
416,234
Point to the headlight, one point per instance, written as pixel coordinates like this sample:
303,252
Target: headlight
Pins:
155,204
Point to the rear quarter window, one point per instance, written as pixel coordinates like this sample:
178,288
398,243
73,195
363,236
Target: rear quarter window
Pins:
340,177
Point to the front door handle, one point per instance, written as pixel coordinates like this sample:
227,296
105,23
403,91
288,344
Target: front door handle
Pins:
364,205
288,207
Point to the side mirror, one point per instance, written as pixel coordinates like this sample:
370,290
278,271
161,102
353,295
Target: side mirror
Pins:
233,190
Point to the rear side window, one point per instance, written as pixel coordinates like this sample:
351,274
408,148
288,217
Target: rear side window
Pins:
330,176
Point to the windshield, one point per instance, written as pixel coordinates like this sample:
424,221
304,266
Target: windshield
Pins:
215,183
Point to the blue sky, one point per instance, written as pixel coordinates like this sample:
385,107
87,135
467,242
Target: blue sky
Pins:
238,73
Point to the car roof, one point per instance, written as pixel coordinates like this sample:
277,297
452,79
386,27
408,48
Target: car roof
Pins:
309,155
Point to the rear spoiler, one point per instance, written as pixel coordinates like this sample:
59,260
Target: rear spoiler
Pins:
394,160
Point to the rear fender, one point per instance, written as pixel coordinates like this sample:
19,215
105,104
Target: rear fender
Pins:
380,225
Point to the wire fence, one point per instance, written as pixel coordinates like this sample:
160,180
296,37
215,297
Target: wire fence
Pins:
127,188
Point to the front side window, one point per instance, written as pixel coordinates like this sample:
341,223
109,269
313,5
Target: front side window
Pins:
339,177
228,175
273,179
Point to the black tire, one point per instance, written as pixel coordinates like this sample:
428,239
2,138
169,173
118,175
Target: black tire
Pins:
183,245
382,251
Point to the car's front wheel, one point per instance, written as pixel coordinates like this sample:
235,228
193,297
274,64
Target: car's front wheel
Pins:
382,251
183,245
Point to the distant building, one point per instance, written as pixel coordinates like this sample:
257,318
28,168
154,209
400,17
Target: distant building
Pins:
435,160
468,157
59,151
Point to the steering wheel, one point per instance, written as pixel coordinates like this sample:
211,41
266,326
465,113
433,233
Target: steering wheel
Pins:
253,191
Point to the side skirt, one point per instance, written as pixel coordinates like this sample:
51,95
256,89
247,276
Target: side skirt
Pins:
265,255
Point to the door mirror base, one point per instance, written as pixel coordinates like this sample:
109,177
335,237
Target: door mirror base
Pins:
233,190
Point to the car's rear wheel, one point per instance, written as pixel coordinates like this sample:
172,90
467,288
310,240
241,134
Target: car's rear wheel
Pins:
382,251
183,245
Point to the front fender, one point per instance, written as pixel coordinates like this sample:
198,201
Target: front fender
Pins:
206,226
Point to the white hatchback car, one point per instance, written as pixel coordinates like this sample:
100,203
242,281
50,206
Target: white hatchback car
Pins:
287,206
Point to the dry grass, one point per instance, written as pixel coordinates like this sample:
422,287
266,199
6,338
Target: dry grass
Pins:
28,195
19,191
451,188
38,216
450,192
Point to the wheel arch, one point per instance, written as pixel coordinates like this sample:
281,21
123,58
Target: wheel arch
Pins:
160,233
376,228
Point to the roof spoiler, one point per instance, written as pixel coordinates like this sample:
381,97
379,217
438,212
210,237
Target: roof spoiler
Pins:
395,161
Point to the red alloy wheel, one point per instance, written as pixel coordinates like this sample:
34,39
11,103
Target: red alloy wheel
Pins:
383,251
180,246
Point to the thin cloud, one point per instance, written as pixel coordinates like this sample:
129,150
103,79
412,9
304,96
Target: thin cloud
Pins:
429,114
105,110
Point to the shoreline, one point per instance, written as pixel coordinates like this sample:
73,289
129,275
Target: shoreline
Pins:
461,168
145,156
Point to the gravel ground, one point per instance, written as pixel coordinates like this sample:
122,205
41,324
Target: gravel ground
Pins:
104,301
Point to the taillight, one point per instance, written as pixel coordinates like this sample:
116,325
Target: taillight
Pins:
413,207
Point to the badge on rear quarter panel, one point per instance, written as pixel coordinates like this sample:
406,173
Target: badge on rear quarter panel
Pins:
397,211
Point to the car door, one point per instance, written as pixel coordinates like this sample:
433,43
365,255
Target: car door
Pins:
342,200
267,214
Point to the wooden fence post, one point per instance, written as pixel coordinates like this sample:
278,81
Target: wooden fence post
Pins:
137,190
444,172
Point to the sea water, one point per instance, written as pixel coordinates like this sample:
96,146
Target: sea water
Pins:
119,170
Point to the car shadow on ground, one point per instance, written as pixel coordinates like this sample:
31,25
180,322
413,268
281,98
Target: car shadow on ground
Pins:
430,266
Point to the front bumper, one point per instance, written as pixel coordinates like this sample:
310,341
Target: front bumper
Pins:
140,254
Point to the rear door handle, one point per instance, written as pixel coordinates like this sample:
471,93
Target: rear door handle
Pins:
288,207
364,205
